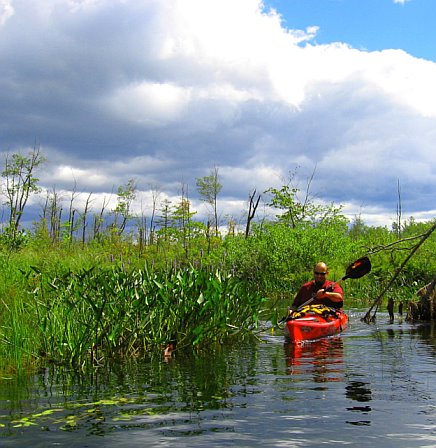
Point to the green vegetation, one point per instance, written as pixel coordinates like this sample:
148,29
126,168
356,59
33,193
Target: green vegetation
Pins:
74,293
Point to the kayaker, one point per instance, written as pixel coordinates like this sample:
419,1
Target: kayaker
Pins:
318,290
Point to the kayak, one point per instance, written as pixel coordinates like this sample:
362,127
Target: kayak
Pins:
314,322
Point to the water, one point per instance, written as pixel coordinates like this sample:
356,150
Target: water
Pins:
375,385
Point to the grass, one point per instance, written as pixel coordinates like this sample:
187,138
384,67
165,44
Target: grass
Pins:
96,313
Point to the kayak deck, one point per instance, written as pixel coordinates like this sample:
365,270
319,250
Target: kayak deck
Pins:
312,325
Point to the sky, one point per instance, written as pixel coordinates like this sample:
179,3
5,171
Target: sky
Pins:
338,95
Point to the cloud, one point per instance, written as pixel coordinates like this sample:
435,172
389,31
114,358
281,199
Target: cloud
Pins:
153,104
6,11
162,91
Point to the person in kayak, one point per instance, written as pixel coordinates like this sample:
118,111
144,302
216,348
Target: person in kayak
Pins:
321,290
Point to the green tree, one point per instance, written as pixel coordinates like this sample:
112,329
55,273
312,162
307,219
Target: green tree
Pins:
164,220
209,188
19,183
125,196
182,217
299,207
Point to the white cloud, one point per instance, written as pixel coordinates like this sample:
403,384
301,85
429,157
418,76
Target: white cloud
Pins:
69,175
162,91
6,11
153,104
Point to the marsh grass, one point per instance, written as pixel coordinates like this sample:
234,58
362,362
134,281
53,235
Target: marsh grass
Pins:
73,303
105,312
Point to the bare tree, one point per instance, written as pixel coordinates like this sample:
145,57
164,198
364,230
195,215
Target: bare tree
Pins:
55,214
422,238
142,223
399,210
71,212
155,193
251,211
84,218
99,219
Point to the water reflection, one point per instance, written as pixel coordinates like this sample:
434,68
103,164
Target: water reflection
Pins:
372,383
359,391
322,359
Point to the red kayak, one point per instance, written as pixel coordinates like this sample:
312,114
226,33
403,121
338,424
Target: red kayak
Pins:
314,322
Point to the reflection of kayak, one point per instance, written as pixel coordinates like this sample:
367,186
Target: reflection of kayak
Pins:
314,322
323,359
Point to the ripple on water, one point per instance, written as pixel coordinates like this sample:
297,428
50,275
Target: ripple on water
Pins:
374,385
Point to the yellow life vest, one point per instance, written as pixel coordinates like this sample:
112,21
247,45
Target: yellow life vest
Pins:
320,309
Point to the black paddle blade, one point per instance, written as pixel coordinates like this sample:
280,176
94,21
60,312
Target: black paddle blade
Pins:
358,269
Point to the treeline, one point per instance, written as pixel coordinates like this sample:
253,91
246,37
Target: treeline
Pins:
275,253
171,234
68,293
61,220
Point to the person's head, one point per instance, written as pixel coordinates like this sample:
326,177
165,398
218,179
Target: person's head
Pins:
320,273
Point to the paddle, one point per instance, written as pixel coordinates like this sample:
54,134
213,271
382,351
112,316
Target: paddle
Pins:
356,269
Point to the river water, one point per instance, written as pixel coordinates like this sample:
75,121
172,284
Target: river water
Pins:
375,385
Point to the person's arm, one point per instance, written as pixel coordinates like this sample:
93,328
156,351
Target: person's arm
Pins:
333,296
337,295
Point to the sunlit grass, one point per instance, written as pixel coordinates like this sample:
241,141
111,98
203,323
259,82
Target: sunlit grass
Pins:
104,312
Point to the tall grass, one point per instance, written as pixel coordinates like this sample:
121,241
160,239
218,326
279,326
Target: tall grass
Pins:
104,312
69,303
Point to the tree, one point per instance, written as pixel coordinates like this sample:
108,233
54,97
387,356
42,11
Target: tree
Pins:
209,187
19,183
155,193
55,211
357,229
182,218
99,219
422,238
251,211
70,226
164,220
84,218
125,196
296,211
396,226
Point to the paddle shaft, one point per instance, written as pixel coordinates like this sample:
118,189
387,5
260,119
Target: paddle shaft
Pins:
356,270
328,287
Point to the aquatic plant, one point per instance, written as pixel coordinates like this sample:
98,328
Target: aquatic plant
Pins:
98,313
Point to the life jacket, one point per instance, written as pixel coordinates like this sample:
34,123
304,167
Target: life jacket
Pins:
320,309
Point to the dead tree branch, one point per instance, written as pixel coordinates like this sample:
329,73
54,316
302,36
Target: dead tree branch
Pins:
368,318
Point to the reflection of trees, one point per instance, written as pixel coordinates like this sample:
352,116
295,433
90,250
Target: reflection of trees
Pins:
358,391
426,333
193,382
392,340
147,390
361,392
396,351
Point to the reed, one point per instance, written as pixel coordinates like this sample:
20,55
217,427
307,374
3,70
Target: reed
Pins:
99,313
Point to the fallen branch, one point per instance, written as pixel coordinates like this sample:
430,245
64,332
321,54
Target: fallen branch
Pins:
381,248
368,318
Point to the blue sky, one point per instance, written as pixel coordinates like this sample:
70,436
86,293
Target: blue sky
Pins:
366,24
342,92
